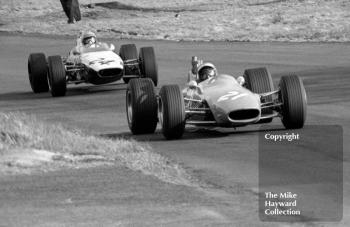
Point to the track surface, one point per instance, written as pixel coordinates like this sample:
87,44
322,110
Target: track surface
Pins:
227,161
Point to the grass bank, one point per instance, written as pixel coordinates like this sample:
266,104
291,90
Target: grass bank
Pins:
28,145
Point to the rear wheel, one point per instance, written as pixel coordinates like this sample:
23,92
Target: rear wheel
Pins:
259,80
141,106
148,64
171,111
293,96
128,52
37,71
57,76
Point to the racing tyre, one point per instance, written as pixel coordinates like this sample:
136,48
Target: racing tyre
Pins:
294,101
57,76
171,111
141,106
259,80
148,64
127,52
37,71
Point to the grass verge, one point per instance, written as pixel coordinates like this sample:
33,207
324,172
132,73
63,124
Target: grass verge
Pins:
28,145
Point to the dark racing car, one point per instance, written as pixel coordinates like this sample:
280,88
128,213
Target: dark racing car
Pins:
215,100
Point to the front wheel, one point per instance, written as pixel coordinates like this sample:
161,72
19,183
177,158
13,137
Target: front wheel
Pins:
149,68
259,80
141,106
172,111
37,71
294,101
57,76
128,52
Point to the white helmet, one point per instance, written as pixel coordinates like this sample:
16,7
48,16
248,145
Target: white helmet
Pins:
88,38
205,71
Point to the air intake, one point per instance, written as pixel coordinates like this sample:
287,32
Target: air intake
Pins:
110,72
246,114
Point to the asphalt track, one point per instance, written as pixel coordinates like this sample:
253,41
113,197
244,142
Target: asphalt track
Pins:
225,159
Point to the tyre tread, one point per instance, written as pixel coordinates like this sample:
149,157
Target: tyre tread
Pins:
149,66
37,70
57,76
174,114
294,102
144,104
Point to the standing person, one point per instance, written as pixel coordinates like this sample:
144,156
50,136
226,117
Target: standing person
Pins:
72,10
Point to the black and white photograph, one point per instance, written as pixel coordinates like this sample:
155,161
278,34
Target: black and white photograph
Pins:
174,113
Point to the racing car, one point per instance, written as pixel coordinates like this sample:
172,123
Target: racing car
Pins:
95,64
218,101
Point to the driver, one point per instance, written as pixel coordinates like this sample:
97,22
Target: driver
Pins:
88,39
206,71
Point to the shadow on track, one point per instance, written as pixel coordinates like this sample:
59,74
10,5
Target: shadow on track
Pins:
94,89
71,91
191,134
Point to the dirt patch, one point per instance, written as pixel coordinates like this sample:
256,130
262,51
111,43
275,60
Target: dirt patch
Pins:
120,6
259,3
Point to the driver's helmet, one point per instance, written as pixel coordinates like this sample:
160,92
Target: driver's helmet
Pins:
205,71
88,38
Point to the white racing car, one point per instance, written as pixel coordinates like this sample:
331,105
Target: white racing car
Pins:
215,100
95,64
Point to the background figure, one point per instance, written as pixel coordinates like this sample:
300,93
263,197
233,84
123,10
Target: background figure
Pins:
72,10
